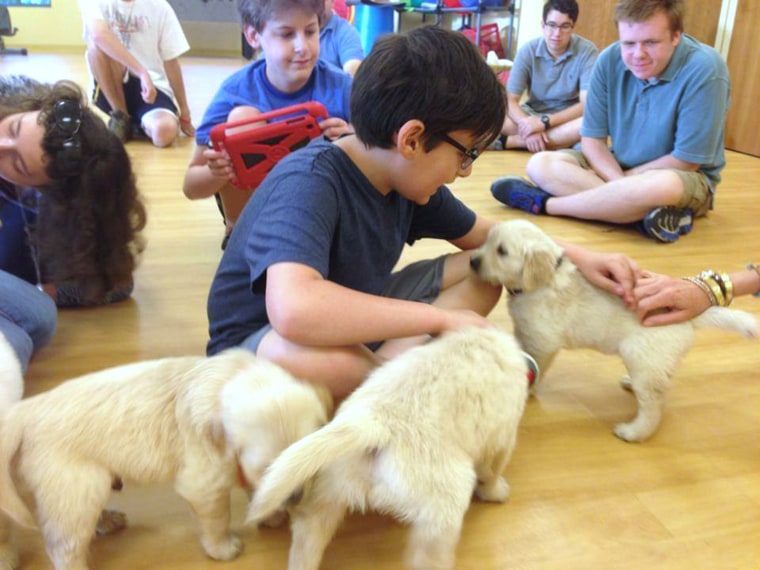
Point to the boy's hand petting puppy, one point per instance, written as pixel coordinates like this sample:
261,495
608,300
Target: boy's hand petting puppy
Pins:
335,127
613,272
457,319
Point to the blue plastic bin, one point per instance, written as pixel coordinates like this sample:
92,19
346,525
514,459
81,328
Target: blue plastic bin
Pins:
374,19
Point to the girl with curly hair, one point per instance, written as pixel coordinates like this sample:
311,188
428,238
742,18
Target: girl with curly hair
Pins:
70,213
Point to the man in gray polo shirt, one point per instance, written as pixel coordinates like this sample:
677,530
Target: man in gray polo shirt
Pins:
554,69
661,96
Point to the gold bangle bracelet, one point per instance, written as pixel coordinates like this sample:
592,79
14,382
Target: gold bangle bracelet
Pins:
716,289
705,289
728,288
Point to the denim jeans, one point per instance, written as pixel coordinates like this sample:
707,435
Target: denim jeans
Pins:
28,317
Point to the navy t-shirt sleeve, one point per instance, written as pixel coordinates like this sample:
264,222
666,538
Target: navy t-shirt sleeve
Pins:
299,226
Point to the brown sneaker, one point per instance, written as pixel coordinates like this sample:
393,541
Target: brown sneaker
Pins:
120,124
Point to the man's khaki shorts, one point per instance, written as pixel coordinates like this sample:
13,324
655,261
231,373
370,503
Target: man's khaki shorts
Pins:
697,190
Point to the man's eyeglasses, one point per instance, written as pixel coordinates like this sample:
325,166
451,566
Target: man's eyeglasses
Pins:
470,155
68,120
566,27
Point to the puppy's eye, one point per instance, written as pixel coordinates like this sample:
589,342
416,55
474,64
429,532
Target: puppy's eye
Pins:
501,250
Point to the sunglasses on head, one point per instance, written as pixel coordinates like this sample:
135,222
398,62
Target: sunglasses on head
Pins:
68,120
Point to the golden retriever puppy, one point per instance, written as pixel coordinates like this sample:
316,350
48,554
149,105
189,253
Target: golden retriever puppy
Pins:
194,420
414,441
11,379
554,307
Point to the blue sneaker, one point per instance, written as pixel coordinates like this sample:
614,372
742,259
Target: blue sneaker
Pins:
518,193
668,223
533,372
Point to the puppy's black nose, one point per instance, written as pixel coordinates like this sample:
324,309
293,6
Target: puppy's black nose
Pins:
474,263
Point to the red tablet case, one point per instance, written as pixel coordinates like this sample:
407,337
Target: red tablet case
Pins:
256,149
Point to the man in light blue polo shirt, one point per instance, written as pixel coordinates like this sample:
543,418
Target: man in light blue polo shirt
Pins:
661,97
339,42
554,69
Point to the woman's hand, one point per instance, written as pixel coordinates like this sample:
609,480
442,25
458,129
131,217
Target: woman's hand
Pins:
663,300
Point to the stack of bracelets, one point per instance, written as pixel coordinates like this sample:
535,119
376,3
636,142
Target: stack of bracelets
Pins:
717,286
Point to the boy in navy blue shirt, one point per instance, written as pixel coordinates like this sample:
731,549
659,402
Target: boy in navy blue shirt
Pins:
309,277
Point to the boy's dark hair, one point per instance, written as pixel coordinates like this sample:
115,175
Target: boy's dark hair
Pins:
431,74
642,10
569,7
257,13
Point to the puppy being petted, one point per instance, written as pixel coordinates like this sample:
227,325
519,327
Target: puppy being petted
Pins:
554,307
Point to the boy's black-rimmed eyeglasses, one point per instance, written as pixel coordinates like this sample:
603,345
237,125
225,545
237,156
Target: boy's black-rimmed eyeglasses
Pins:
470,155
68,120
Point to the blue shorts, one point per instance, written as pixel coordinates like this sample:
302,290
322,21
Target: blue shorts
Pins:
136,107
420,281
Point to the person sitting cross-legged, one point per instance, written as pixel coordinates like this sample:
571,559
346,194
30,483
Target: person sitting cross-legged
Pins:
554,69
661,96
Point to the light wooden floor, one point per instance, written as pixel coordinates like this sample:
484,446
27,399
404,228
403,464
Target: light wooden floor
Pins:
581,499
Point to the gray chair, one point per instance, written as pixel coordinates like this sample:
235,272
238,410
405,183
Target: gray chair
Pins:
6,29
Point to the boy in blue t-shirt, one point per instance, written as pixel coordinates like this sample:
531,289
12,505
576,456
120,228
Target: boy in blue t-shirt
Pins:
288,33
339,42
309,278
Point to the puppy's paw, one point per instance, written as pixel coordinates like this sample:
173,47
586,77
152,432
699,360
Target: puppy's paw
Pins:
497,491
275,520
110,522
629,432
8,557
223,549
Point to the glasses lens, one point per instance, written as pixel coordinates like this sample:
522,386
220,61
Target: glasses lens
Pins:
68,116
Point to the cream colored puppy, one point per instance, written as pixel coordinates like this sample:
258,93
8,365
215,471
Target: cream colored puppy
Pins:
193,420
11,379
554,307
414,441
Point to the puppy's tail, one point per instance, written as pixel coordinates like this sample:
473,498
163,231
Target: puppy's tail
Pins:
11,437
302,460
728,320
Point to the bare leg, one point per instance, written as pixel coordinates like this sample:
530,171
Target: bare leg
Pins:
580,193
109,74
162,126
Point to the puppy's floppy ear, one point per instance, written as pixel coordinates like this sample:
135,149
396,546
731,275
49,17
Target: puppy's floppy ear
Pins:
539,269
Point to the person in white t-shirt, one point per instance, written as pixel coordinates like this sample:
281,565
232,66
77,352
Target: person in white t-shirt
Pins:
133,48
